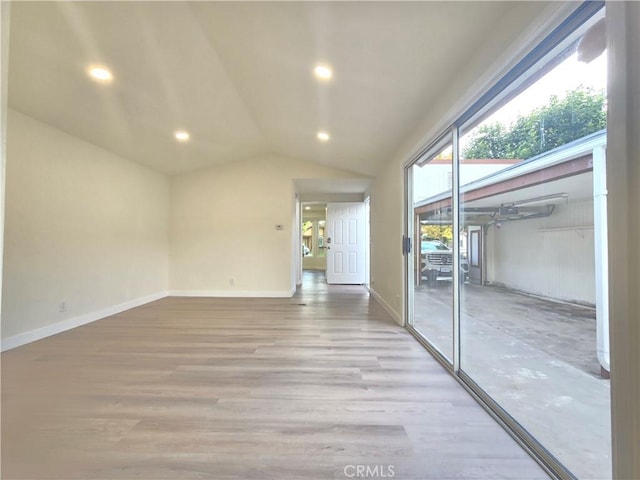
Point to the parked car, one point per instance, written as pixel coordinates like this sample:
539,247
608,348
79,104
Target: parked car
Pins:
305,250
436,262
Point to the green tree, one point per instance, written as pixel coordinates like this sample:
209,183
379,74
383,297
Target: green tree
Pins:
306,228
437,232
488,142
562,120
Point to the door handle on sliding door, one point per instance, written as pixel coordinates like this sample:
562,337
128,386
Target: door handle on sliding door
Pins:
406,245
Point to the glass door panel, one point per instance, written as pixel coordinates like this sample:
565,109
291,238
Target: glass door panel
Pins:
432,256
533,214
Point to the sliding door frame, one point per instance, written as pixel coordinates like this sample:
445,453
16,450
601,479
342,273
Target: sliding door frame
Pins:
556,38
409,233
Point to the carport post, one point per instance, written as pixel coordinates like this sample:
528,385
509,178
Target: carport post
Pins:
601,255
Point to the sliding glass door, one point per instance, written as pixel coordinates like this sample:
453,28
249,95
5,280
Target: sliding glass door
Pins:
530,172
433,254
508,275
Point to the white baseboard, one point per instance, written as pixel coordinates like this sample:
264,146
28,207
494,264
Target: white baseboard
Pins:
390,310
58,327
232,293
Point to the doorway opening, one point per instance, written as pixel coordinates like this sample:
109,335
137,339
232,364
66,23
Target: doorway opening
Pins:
334,242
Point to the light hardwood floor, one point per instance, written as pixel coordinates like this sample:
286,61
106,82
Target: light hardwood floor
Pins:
300,388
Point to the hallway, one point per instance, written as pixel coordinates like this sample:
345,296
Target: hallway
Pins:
310,387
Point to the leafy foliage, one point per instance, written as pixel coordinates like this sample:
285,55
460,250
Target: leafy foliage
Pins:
443,233
307,226
581,112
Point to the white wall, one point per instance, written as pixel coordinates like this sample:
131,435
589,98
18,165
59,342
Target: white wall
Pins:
82,225
540,256
386,236
223,227
492,59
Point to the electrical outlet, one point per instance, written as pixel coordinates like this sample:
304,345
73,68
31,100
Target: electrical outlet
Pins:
232,282
63,306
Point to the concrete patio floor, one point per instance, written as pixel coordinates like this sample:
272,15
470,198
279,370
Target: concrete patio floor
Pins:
537,359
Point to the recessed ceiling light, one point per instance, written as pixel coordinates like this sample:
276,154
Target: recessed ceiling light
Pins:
307,208
100,74
182,136
323,72
323,136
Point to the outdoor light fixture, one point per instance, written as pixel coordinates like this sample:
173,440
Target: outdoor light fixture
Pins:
593,42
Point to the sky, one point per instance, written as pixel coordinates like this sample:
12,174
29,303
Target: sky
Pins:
565,77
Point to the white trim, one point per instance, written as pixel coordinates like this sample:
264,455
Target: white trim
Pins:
367,242
389,309
233,293
601,246
69,323
4,77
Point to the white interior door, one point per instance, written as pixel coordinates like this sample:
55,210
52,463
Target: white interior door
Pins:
345,243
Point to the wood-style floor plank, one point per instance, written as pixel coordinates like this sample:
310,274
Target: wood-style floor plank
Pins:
200,388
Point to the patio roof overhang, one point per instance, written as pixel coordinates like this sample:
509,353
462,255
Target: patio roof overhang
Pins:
511,194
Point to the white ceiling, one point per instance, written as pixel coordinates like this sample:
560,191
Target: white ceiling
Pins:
238,75
314,209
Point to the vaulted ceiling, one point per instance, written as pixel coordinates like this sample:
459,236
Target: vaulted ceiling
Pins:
238,75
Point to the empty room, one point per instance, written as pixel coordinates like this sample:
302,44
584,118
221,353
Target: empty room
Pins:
320,240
